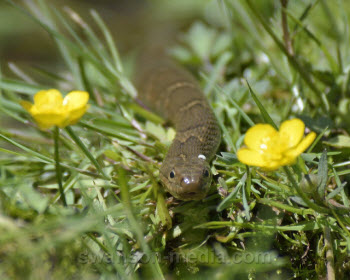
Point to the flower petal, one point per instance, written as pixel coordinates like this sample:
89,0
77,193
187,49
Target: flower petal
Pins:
271,165
303,145
76,100
75,115
288,159
258,136
47,120
48,99
75,105
250,157
26,105
291,132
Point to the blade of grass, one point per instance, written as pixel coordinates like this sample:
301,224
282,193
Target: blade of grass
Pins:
106,131
99,50
318,138
299,211
47,74
153,263
322,175
245,195
109,39
330,59
163,212
222,62
28,150
263,111
61,44
67,186
86,151
109,73
302,226
340,186
293,60
300,192
234,103
248,22
19,86
228,200
20,73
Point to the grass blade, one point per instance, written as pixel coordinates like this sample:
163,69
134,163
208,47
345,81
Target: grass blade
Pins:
322,175
263,112
86,151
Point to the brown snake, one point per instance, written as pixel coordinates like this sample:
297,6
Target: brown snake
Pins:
173,93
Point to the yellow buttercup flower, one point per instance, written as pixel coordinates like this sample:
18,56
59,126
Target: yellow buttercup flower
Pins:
270,149
50,108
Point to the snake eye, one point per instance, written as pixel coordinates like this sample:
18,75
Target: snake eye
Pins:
206,173
172,174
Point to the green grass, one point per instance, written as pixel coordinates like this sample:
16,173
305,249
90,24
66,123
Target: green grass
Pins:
256,63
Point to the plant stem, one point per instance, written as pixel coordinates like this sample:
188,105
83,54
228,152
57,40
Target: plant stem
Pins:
286,36
58,165
317,94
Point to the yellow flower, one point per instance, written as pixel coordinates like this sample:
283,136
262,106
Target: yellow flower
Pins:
270,149
50,108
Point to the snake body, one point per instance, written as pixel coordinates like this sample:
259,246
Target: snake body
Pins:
174,93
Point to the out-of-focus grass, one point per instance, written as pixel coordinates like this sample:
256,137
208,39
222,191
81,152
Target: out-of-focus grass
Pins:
253,224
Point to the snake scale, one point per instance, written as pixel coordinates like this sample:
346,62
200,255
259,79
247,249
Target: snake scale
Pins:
174,93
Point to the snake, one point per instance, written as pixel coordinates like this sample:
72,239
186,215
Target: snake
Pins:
172,92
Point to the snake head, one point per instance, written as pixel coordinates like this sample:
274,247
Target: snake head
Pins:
186,179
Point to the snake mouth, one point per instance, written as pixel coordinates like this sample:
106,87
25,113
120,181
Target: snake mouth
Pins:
191,196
